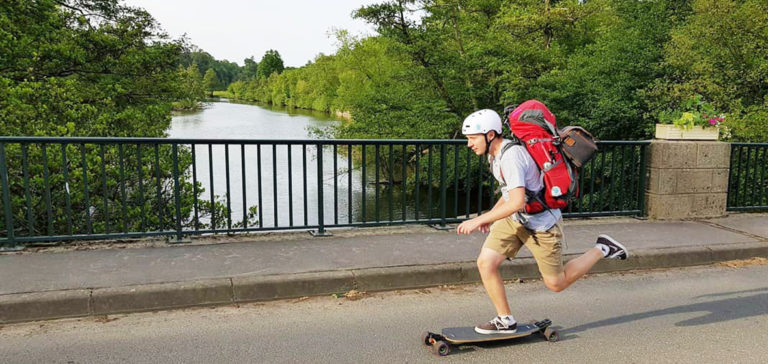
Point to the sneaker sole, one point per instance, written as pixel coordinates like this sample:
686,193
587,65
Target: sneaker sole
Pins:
606,237
491,332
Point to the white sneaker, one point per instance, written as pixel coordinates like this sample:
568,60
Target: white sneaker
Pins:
611,248
496,326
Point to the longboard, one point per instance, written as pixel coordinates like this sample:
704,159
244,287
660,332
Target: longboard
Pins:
440,344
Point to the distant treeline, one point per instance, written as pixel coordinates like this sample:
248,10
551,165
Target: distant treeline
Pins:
610,65
96,67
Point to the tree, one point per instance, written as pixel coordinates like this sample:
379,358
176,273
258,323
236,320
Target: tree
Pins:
227,72
94,64
270,63
720,53
192,88
394,20
600,87
195,55
250,70
608,65
210,81
90,68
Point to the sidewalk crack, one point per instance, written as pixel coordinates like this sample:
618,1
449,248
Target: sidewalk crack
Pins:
354,279
231,290
718,226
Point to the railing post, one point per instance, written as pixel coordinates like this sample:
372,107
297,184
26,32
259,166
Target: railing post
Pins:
443,202
641,189
320,205
10,244
177,196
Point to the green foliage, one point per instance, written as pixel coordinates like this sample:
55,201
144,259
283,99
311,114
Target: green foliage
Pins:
270,63
224,94
387,95
94,71
91,68
600,86
719,52
226,72
611,66
694,112
130,188
97,68
192,88
250,70
749,124
210,81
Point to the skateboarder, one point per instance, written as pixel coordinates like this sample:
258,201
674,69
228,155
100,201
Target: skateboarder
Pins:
510,228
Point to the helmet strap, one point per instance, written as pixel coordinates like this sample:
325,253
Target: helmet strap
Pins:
488,142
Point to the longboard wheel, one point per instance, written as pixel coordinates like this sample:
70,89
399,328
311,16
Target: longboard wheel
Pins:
551,335
425,338
441,348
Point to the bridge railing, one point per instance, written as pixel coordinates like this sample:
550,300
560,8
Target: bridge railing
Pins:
59,189
748,179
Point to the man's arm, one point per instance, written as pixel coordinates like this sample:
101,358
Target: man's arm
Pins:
499,202
505,208
502,209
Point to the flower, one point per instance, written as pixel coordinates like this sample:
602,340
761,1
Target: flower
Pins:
688,117
693,111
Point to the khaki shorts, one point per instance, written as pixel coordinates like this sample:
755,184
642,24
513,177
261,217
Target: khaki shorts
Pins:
508,236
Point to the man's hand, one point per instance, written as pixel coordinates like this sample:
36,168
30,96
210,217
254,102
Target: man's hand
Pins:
467,227
485,229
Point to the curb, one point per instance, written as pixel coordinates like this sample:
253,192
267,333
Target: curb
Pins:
23,307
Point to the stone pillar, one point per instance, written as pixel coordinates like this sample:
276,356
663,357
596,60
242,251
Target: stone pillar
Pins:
687,179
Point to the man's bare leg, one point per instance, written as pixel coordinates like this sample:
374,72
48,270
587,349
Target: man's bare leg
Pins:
573,270
488,263
577,268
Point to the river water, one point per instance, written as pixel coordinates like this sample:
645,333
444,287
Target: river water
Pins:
282,188
284,200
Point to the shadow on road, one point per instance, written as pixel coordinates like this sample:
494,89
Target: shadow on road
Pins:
715,311
732,293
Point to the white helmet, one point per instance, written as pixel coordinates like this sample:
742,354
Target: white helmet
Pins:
481,122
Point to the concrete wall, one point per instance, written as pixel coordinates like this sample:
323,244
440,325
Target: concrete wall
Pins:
687,179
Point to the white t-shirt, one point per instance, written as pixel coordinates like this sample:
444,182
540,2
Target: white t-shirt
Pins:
520,170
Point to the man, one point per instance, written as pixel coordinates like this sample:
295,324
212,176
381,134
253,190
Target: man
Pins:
510,228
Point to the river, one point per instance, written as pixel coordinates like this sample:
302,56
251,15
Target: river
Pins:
283,193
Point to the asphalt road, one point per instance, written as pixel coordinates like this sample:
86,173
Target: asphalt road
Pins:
694,315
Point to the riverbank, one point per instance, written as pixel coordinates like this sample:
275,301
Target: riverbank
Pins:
338,114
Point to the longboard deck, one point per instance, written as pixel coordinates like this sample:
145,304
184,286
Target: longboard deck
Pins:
462,335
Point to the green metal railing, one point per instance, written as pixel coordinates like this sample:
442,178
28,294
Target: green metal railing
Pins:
613,182
58,189
748,182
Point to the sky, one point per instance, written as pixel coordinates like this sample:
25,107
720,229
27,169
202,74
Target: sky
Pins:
237,29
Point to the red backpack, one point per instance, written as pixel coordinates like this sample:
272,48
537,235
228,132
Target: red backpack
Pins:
558,153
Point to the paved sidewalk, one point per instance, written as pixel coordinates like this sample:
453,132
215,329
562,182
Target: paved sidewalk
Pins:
47,285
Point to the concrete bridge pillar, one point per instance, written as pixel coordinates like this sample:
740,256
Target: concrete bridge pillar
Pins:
687,179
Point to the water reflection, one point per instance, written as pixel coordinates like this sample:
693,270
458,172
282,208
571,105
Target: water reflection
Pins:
288,182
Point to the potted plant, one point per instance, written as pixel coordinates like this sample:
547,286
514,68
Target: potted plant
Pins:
696,120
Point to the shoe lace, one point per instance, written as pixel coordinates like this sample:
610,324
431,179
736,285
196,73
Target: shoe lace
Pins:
499,323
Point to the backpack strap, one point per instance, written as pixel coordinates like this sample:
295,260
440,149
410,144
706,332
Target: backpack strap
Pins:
505,148
531,196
